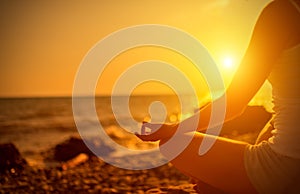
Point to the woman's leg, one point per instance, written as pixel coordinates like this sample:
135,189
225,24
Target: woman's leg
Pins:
221,167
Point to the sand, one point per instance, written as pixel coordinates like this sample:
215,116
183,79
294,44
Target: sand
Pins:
94,176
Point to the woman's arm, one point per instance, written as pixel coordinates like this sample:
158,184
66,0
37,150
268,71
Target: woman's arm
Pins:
271,35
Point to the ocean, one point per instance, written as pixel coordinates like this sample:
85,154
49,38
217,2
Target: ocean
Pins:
35,125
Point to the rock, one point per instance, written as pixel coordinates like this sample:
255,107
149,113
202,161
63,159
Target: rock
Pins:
75,146
70,149
155,190
11,159
180,189
79,159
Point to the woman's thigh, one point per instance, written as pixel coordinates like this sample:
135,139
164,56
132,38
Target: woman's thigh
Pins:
221,167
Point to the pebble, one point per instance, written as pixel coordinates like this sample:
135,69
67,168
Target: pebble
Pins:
87,177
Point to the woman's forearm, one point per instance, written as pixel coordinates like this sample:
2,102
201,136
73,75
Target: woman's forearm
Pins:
201,120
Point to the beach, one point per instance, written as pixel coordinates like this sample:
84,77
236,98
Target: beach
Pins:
94,176
57,161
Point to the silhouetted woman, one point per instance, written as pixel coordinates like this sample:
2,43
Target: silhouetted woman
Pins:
273,164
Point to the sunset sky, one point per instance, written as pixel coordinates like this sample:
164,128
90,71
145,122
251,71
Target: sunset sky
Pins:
44,42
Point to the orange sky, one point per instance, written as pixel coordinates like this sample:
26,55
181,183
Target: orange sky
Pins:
43,42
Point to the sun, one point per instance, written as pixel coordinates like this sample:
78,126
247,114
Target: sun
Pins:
228,62
228,65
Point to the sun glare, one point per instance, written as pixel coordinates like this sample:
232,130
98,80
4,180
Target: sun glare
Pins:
228,62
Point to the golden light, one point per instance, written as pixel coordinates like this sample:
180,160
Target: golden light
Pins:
228,62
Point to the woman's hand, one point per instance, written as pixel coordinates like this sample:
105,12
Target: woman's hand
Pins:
158,131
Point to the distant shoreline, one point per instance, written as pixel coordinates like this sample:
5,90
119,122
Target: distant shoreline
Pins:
85,96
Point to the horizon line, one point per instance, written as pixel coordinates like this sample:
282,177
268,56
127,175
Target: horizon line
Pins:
86,96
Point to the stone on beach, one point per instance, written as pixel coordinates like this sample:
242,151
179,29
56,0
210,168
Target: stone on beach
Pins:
70,149
10,158
74,146
79,159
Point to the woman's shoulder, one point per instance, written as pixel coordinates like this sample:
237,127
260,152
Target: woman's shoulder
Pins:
282,11
293,11
286,12
289,6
